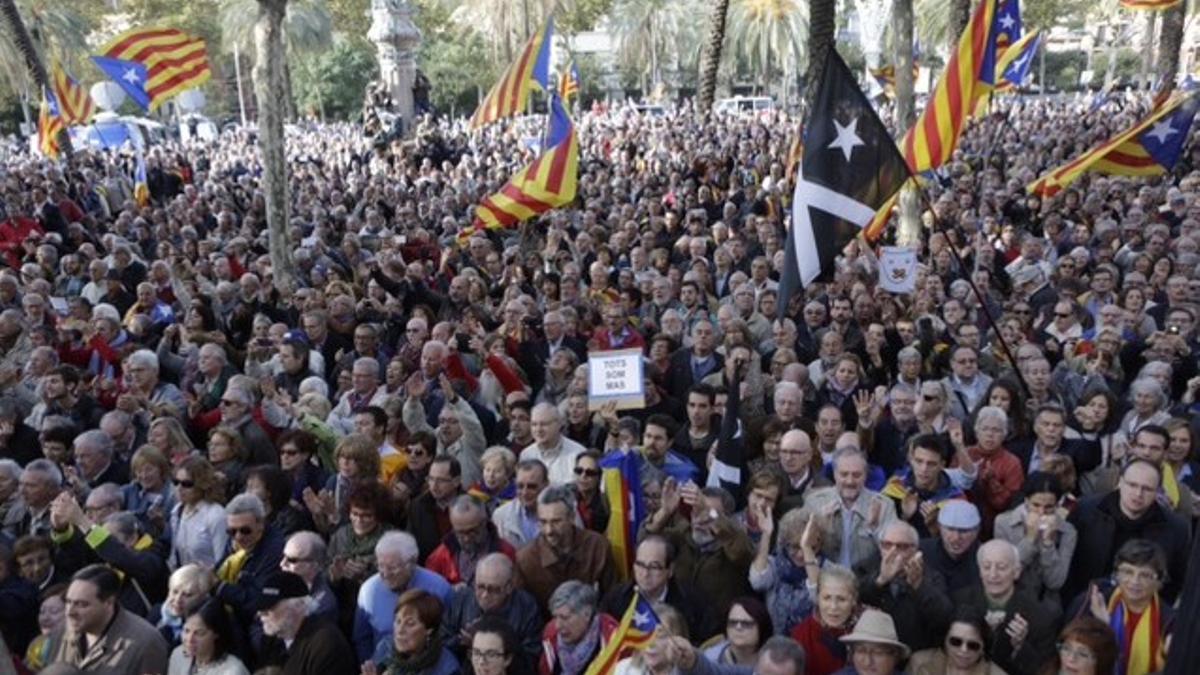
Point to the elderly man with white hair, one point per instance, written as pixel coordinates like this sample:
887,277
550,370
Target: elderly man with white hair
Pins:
142,393
365,391
299,641
550,446
396,559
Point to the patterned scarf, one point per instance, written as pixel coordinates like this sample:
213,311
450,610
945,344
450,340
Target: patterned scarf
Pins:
1145,648
575,658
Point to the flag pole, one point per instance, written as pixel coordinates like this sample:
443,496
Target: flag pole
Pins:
937,226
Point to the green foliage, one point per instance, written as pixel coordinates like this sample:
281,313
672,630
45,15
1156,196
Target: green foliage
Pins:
1063,69
334,81
1129,65
351,18
581,15
458,70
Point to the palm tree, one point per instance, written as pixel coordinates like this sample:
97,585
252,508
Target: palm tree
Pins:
769,33
307,29
710,61
52,26
649,33
270,83
1170,43
822,22
960,16
902,25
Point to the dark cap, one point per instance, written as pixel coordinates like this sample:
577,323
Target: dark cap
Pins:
113,275
281,586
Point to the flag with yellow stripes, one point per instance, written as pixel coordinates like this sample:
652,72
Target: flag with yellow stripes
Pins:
510,96
154,64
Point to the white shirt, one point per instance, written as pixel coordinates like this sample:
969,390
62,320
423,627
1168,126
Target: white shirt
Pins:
560,461
198,537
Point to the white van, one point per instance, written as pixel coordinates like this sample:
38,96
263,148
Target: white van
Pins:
745,104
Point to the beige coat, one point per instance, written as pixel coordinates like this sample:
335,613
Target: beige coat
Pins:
130,646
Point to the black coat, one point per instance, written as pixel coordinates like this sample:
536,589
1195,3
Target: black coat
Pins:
1085,453
1038,645
320,648
679,373
423,525
242,596
922,615
1103,528
701,625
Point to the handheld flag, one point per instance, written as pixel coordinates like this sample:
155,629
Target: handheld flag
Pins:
1149,148
568,83
886,77
49,124
930,142
851,167
154,64
510,96
622,483
549,182
74,104
1151,5
633,633
1013,68
1008,25
141,187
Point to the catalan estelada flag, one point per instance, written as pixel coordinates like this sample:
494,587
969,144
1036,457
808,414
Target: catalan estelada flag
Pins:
154,64
49,124
568,82
633,633
885,76
930,142
622,483
1149,148
510,95
1014,65
1154,5
549,182
74,104
1008,25
141,186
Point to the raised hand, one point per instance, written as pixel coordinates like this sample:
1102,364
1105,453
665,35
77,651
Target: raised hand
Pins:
810,540
914,570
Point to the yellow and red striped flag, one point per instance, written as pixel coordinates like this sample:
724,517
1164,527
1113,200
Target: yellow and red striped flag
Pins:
49,124
510,96
633,634
547,183
1153,5
74,104
1012,67
1149,148
930,142
154,64
568,83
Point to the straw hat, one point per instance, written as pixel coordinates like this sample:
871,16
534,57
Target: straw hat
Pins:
876,627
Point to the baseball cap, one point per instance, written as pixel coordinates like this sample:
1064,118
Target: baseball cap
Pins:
958,514
281,586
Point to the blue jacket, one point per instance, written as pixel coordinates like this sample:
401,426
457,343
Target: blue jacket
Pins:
377,608
242,595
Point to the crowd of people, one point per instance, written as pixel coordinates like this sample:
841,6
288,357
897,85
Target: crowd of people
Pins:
394,468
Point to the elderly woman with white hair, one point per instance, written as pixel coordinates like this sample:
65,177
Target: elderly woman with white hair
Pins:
1149,401
1000,472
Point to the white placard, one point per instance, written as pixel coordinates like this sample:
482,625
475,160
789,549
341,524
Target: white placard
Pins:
616,376
898,269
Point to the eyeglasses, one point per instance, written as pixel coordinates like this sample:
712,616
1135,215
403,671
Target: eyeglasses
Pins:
183,483
295,561
288,452
741,624
228,403
487,654
1067,651
590,473
964,643
930,399
244,530
1062,316
491,589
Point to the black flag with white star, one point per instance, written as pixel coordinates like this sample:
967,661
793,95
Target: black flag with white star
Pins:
851,166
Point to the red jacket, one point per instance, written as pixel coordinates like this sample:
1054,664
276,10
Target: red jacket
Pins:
546,665
444,558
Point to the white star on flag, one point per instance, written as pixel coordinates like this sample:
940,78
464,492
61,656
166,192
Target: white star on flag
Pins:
131,76
847,138
640,619
1007,21
1162,131
1019,64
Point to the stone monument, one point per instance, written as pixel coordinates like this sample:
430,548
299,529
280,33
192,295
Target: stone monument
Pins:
397,38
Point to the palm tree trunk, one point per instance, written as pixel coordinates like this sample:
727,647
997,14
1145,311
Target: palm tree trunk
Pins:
710,60
10,15
822,22
1148,51
1170,43
270,87
902,22
960,16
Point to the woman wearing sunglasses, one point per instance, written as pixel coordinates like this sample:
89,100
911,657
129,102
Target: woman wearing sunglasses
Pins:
592,507
963,652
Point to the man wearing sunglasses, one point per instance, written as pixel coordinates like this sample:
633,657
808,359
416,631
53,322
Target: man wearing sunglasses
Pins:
255,550
472,537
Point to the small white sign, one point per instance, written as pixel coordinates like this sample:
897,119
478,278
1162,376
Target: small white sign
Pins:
616,376
898,269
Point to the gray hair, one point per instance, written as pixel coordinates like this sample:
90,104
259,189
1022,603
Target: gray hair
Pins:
838,573
96,440
123,524
313,543
400,543
575,596
547,408
501,453
215,350
367,362
990,413
47,469
11,468
497,560
558,494
1007,545
246,503
908,354
1148,385
782,649
144,358
107,492
466,504
315,385
909,531
848,451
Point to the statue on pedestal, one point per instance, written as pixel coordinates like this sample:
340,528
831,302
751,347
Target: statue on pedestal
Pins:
396,38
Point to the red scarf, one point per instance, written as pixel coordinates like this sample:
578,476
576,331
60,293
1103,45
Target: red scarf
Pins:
825,652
